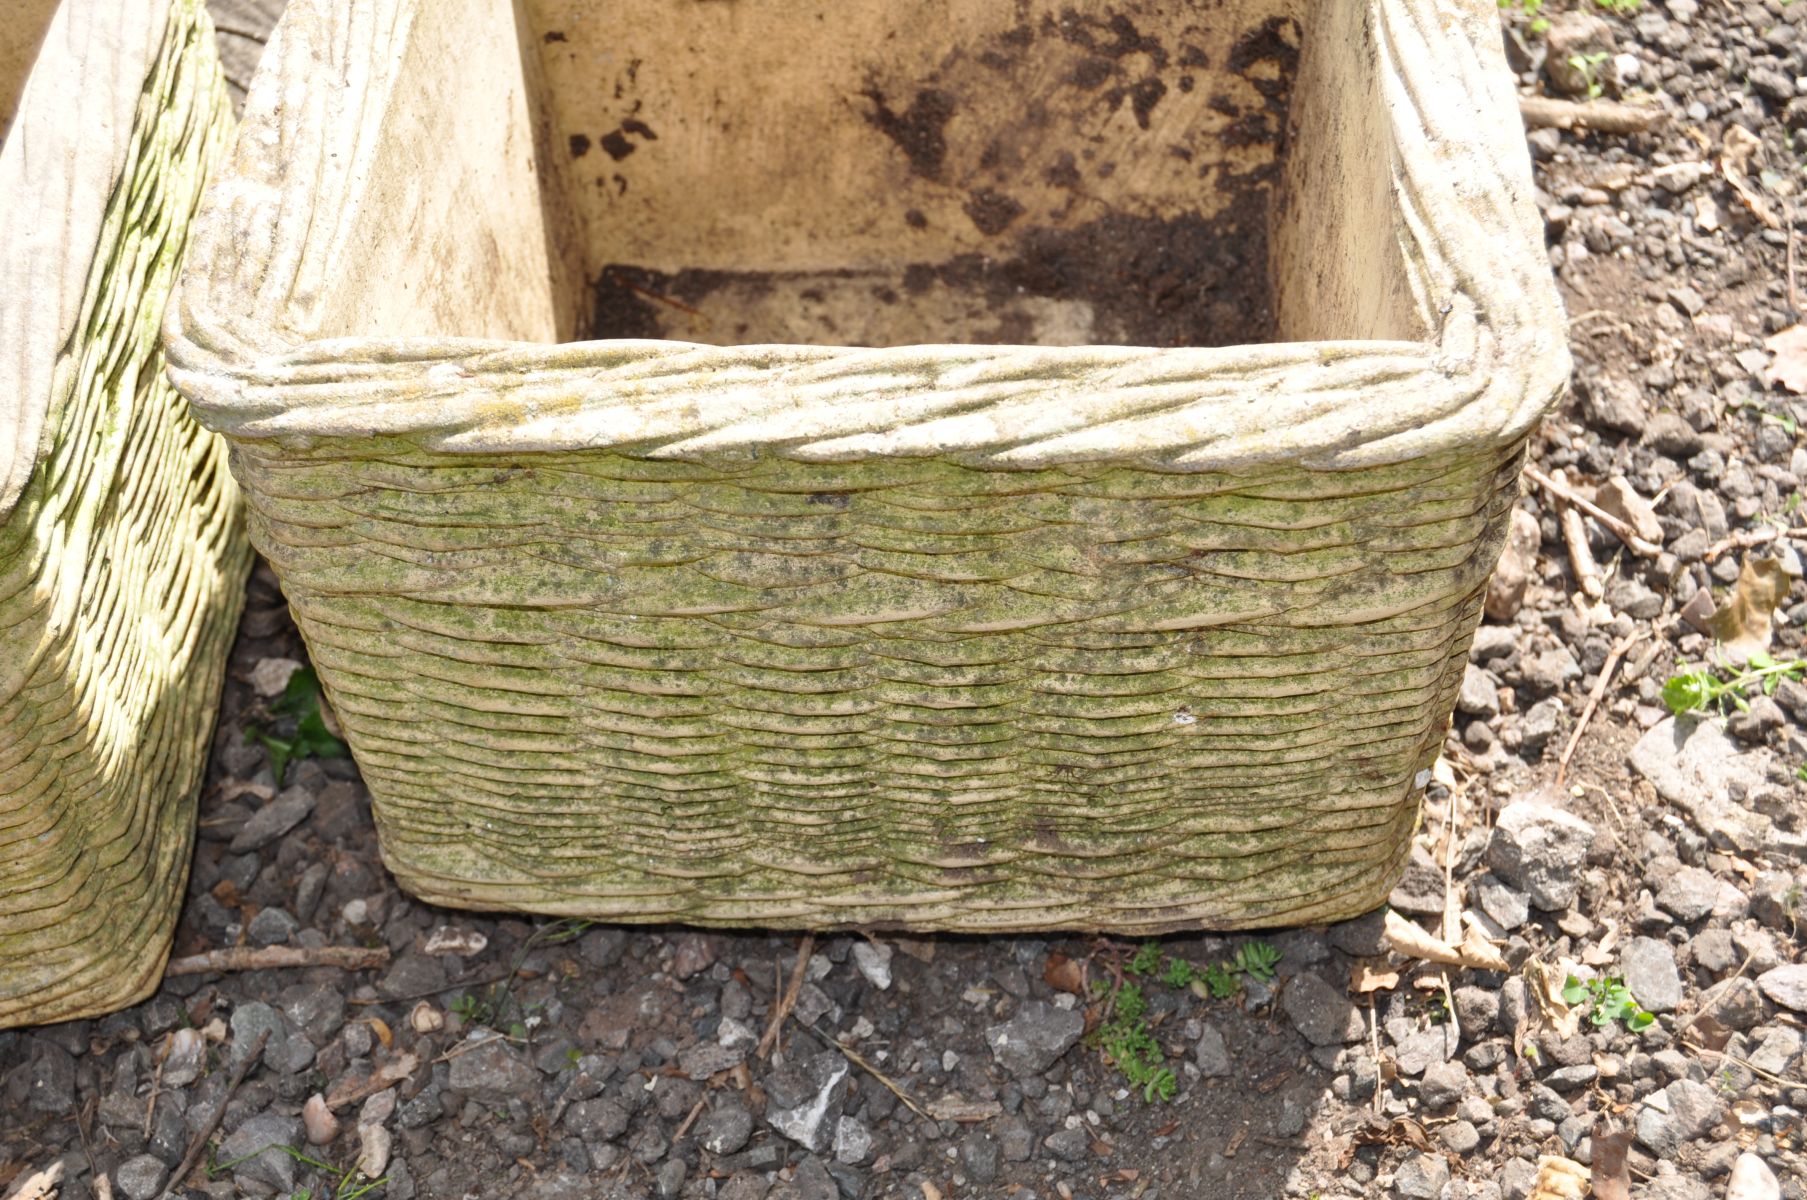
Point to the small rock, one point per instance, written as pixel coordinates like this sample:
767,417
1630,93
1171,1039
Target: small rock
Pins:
1685,1111
491,1070
803,1101
1739,1004
1421,1177
1540,849
1424,1048
253,1147
1651,975
374,1145
1508,907
1754,723
809,1181
1420,890
1068,1145
1016,1142
413,974
1550,671
1443,1084
1035,1038
182,1061
700,1060
271,927
451,939
874,962
1321,1012
290,807
1362,937
1752,1180
1518,562
604,1120
1540,724
1688,893
725,1128
1694,765
271,675
1671,436
695,953
318,1121
1480,696
1786,985
1212,1055
1778,1052
1460,1136
979,1154
140,1178
1612,404
1617,497
852,1142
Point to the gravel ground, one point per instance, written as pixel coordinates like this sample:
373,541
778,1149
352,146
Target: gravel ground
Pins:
493,1056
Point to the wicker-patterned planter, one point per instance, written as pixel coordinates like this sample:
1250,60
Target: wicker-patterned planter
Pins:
122,545
963,636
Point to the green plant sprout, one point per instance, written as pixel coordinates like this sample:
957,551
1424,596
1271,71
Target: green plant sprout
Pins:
1124,1038
1588,66
1531,8
1702,687
498,1004
1607,1000
300,700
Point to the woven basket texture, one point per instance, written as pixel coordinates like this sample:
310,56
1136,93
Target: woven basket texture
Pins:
121,573
941,637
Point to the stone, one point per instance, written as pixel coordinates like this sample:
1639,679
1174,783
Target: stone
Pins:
140,1177
253,1147
1676,1115
1507,906
1460,1136
318,1121
1480,696
1518,563
271,927
1617,497
414,973
1752,1180
182,1062
1615,405
1687,893
979,1154
1757,721
1550,671
492,1071
1650,973
803,1100
288,809
374,1146
1421,1177
1786,985
1068,1145
1424,1048
1362,937
1443,1084
873,960
605,1120
1212,1055
1035,1038
1540,849
1016,1142
1778,1052
1322,1013
809,1181
1420,887
1670,435
1540,724
725,1128
1738,1004
1477,1008
700,1060
1694,765
852,1142
695,952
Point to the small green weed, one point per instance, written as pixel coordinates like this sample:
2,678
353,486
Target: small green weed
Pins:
1124,1037
1702,688
497,1003
1619,7
1531,9
1589,67
300,700
347,1183
1607,1000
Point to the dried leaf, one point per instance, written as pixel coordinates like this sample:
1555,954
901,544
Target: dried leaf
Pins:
1789,367
1742,623
380,1027
921,949
1064,974
1545,985
1734,163
1611,1173
1370,975
39,1185
1408,939
387,1075
1559,1178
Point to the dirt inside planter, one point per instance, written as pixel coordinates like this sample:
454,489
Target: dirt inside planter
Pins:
873,174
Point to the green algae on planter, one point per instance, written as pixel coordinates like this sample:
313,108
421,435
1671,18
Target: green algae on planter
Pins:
942,636
122,548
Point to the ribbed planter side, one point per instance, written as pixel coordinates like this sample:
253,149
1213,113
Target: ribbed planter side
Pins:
121,571
951,637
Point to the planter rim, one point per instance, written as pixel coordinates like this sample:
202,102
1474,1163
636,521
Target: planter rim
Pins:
239,347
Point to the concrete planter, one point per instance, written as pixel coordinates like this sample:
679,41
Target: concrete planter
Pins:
122,547
1125,581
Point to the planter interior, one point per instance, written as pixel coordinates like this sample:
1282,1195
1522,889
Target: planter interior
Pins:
1042,173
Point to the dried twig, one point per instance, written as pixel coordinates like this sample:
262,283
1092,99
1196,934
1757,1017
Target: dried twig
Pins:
198,1144
259,958
781,1007
696,1110
1562,491
1581,555
859,1060
1607,668
1602,116
1744,539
